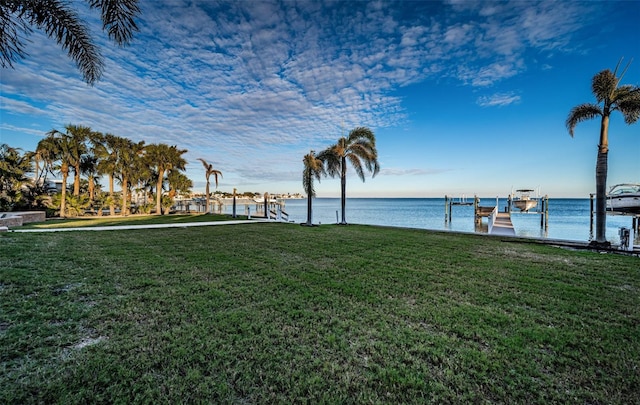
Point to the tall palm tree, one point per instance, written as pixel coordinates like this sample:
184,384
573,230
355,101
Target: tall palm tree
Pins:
76,137
89,167
610,97
107,151
359,149
130,155
163,158
208,171
313,169
38,175
56,147
60,21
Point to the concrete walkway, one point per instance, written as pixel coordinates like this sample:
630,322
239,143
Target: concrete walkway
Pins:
148,226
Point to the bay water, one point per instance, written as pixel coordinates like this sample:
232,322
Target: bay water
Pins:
569,218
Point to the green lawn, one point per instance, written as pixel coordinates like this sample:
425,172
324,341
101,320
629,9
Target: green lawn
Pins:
129,220
279,313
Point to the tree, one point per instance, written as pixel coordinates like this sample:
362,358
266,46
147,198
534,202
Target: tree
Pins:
89,167
56,147
77,204
163,158
359,149
13,169
313,169
208,171
178,184
76,149
130,156
107,150
60,21
610,97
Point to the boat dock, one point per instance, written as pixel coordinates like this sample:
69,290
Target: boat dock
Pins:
502,225
498,223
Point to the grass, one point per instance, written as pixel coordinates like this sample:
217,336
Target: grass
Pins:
128,220
278,313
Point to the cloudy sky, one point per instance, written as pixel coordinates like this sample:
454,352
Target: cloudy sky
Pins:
465,97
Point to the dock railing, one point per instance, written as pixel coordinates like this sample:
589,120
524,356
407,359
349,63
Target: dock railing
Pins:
492,218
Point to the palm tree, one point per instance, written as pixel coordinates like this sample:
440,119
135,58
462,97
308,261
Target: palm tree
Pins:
163,158
313,168
60,21
179,184
76,139
626,99
13,169
89,167
55,147
359,148
208,171
38,175
130,156
107,152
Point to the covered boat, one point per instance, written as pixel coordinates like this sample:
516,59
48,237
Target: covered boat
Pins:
625,198
523,201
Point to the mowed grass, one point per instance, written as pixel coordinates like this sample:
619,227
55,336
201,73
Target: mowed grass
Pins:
128,220
279,313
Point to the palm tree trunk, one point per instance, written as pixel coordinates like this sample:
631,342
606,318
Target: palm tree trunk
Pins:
76,180
125,186
601,182
343,189
159,193
63,200
601,197
91,189
309,198
36,178
206,210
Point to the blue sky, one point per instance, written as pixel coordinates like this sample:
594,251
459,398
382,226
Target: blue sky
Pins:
464,97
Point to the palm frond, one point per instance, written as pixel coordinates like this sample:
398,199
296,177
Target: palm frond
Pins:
313,168
603,85
11,42
360,133
357,165
629,106
118,18
582,112
216,173
332,160
63,24
207,166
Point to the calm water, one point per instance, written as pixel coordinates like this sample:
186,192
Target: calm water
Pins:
568,218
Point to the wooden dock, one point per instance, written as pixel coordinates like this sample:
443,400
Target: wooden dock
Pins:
499,222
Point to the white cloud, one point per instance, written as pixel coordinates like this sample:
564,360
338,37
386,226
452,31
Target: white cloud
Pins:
409,172
498,100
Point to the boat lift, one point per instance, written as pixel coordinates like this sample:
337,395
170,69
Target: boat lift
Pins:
498,222
541,207
628,237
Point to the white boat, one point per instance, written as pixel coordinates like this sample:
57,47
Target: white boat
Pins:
261,200
625,198
523,201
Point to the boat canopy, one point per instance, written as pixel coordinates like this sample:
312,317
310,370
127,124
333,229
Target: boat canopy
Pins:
625,188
